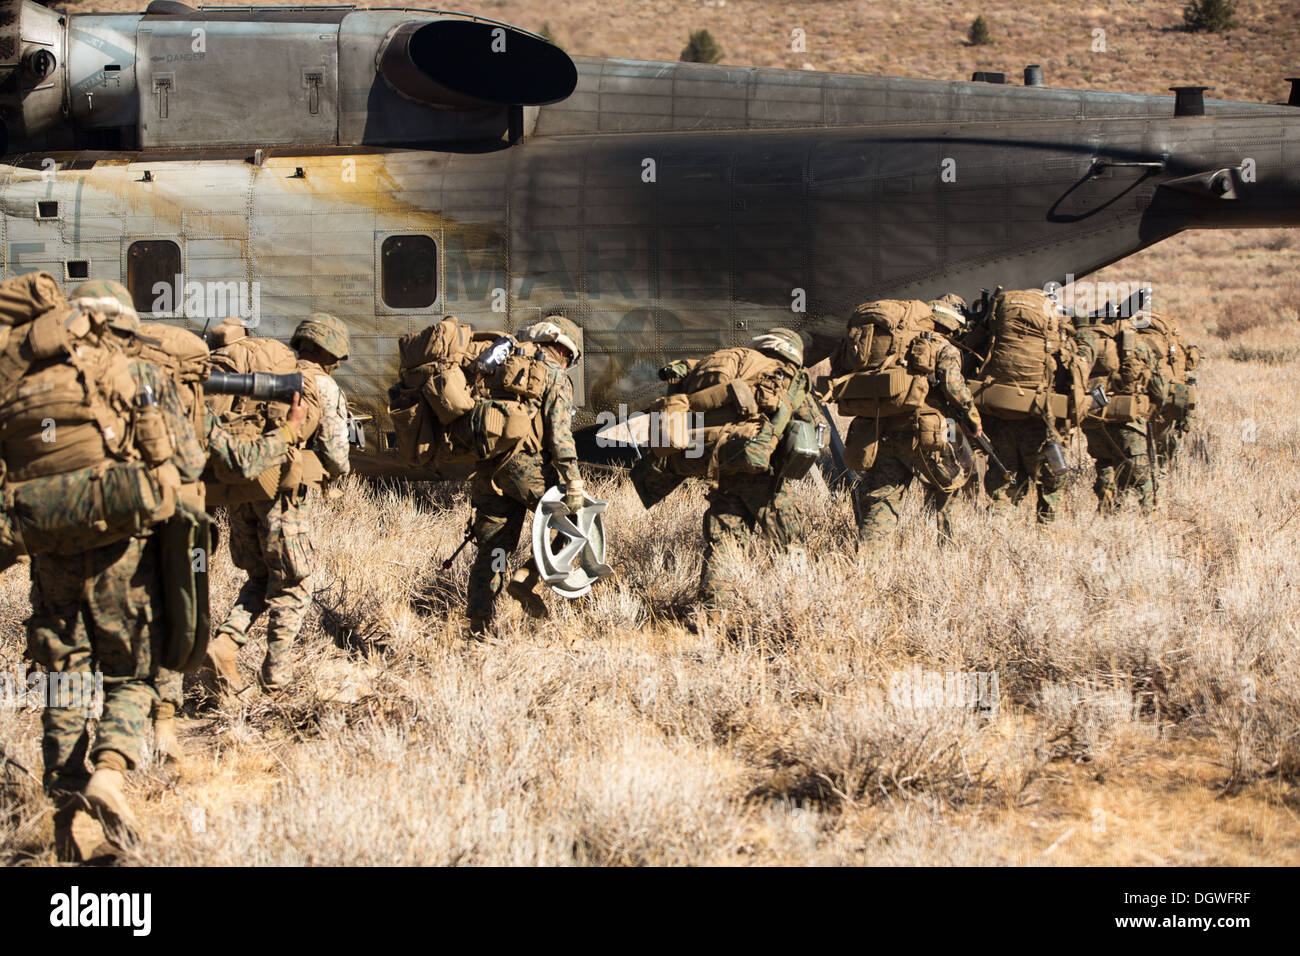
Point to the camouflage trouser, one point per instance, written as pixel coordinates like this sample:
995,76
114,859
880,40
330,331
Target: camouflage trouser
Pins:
270,541
880,492
1018,445
740,506
498,519
100,610
170,686
1120,454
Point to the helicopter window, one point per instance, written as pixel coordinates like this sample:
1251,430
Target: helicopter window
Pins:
47,209
409,272
78,268
150,263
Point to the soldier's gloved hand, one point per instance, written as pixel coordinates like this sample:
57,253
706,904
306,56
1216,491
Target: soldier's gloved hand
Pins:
574,499
974,423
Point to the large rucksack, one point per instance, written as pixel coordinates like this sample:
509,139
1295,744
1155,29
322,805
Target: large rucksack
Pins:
729,414
1115,371
429,402
1178,359
84,457
883,365
1018,378
250,418
186,358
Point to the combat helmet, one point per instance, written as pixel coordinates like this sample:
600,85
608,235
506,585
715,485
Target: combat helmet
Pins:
780,343
109,299
324,331
556,329
948,316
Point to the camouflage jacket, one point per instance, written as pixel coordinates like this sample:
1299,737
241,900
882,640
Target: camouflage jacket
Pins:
952,383
247,457
557,423
331,442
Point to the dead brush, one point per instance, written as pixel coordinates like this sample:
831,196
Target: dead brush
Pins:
24,813
871,751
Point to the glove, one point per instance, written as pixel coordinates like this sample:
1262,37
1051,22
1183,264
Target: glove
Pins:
973,421
574,499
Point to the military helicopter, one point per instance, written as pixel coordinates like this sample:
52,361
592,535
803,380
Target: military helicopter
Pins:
394,165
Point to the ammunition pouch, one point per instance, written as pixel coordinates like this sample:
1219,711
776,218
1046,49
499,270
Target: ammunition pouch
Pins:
412,425
861,444
1182,400
448,394
501,427
942,458
186,544
745,449
521,377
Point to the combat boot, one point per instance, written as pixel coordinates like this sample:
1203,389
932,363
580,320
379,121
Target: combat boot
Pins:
76,835
523,588
167,747
277,671
220,671
105,795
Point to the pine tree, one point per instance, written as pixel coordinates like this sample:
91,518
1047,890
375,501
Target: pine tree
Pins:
1210,16
979,32
702,48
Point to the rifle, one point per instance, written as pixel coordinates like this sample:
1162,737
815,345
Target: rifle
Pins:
469,536
986,446
1153,465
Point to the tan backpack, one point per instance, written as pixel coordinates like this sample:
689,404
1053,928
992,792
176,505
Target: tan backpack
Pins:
1128,402
73,472
1026,335
714,394
1017,379
886,359
436,391
728,413
878,329
186,357
246,417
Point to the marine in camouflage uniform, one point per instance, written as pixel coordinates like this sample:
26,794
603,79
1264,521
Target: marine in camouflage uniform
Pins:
1119,449
505,490
271,540
899,458
1172,423
1021,445
742,505
101,611
248,457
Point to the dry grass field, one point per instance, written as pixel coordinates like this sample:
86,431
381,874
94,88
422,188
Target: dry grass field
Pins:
1147,710
1148,671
